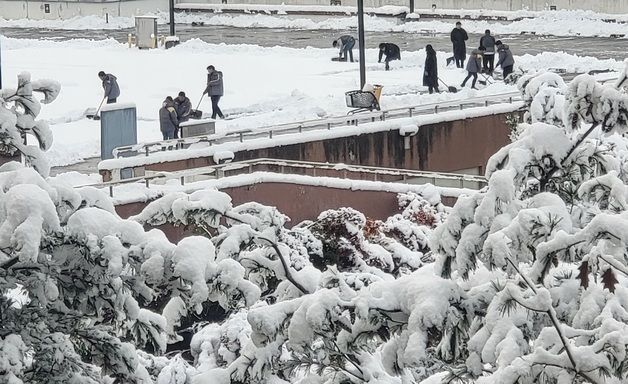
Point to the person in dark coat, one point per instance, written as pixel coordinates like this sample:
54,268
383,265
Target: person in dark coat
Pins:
488,42
506,60
110,85
345,44
473,67
391,51
214,90
183,106
458,38
168,121
430,71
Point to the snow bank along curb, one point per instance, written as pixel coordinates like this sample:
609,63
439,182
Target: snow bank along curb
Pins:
388,10
304,137
138,193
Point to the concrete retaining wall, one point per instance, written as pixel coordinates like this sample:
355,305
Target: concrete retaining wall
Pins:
289,198
455,146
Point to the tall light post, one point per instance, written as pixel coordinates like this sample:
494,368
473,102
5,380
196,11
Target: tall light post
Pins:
0,64
361,43
171,8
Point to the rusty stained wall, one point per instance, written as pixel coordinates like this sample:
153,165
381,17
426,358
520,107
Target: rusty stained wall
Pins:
299,202
444,147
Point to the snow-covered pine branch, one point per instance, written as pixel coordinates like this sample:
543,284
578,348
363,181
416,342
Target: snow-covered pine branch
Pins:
545,244
18,110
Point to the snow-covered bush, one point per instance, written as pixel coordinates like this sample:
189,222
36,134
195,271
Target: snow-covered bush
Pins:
18,110
71,293
308,282
541,253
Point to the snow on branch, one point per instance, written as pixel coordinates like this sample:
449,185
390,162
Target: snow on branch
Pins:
18,110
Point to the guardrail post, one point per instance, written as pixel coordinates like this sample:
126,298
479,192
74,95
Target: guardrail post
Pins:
146,182
486,103
328,126
314,171
111,191
241,137
300,128
282,169
436,109
410,112
270,134
510,99
182,180
146,149
461,106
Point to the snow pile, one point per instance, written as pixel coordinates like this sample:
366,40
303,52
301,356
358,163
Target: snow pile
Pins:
557,23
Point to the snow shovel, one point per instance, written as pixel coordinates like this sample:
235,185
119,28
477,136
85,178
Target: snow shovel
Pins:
486,80
196,113
450,89
95,115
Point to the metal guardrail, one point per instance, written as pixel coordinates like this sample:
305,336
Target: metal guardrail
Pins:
406,176
314,125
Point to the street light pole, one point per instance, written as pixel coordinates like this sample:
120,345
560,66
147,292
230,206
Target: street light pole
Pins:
0,65
361,43
171,6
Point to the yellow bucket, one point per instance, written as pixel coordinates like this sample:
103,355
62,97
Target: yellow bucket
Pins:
377,91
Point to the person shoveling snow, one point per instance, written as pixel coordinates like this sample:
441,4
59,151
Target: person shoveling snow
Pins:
112,91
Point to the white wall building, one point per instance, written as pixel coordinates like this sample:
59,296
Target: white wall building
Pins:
56,9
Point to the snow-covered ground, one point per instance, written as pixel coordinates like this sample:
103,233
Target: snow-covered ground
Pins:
264,86
557,23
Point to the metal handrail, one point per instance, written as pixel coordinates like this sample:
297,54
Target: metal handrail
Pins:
317,124
219,170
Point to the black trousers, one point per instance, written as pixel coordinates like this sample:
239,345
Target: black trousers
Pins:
431,89
460,62
507,71
475,78
488,63
215,108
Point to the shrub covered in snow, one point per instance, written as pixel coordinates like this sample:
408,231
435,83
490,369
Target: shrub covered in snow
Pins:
293,297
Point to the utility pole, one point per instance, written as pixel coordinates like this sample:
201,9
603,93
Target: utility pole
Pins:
171,6
411,6
0,64
361,43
